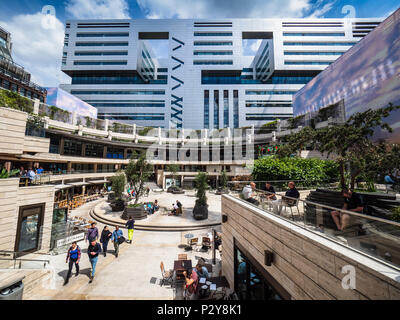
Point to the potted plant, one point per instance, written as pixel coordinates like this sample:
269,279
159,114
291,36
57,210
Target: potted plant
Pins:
223,188
118,186
200,210
137,172
173,168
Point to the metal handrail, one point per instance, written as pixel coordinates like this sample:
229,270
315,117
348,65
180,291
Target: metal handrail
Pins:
360,215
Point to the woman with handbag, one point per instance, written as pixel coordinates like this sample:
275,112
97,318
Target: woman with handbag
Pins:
105,237
117,238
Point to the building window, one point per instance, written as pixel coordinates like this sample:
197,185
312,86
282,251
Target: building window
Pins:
250,282
213,34
213,43
216,109
317,63
213,53
123,34
211,62
299,34
99,63
319,43
72,147
226,109
101,44
30,221
206,109
235,108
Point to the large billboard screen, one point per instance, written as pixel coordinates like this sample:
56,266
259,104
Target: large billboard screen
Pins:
66,101
366,76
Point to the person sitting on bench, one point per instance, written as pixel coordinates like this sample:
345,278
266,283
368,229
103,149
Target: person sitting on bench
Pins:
352,202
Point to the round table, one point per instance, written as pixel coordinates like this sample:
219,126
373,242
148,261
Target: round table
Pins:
188,236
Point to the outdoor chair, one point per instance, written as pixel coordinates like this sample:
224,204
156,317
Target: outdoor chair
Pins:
166,275
206,243
194,242
182,256
290,203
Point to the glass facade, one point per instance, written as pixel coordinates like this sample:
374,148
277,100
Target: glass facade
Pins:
82,79
72,147
249,281
312,53
129,105
206,109
266,116
262,92
226,109
266,104
203,62
213,34
105,53
136,92
94,150
302,34
30,222
101,44
319,43
288,80
235,108
317,63
216,109
102,35
213,43
212,53
132,116
99,63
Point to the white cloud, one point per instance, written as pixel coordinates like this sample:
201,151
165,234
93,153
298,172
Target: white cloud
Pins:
185,9
98,9
37,46
319,13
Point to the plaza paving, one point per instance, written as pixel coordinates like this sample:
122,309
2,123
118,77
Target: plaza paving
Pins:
165,201
135,274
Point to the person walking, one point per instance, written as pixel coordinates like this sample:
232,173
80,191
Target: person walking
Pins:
104,238
93,252
130,224
73,255
116,239
92,233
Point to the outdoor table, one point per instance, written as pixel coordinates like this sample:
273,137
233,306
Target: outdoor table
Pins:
188,236
207,293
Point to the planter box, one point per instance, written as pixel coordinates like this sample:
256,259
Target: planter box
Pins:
200,212
111,197
137,213
117,206
178,192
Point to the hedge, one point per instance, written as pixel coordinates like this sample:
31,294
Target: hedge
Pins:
295,168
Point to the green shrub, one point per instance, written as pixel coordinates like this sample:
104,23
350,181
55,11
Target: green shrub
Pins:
118,184
295,168
14,100
396,214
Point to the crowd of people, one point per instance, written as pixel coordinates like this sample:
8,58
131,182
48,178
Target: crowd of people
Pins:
95,248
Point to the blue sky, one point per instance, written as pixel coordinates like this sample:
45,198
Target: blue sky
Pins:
38,47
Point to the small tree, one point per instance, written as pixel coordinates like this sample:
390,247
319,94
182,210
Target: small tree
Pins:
350,142
201,186
224,180
173,168
118,184
138,172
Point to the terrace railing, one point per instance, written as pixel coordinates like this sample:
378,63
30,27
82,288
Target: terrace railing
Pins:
376,237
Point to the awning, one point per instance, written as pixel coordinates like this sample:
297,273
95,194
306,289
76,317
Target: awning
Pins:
98,181
78,184
61,186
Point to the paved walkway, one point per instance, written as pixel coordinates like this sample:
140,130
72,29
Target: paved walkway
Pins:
165,200
135,274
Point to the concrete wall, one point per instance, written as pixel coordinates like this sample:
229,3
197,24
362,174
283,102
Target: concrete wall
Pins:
306,265
11,198
36,144
307,154
12,130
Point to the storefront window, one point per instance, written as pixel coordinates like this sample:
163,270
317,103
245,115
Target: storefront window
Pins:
29,225
250,284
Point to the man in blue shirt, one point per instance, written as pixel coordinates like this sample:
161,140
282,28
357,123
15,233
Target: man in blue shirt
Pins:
202,271
115,238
